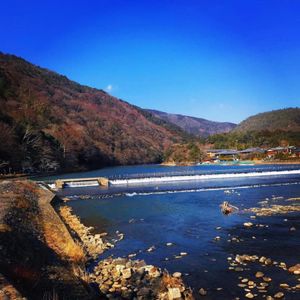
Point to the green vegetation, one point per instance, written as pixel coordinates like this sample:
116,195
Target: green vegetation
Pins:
243,140
283,119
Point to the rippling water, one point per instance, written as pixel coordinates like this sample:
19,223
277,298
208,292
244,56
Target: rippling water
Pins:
187,215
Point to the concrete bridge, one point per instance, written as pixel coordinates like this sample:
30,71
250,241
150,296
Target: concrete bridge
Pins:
102,181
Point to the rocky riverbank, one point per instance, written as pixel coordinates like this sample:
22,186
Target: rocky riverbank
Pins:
124,278
134,279
40,259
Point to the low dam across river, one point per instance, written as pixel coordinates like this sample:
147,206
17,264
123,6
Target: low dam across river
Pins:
103,181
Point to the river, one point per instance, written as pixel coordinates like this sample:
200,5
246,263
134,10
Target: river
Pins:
187,214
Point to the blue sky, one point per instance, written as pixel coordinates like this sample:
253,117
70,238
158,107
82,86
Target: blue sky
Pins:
220,60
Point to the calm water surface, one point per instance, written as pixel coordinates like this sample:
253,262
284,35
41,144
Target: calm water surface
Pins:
187,214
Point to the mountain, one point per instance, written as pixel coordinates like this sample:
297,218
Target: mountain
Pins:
287,119
195,126
269,129
48,122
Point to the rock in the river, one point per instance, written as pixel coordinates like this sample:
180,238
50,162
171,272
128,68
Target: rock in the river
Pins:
284,285
202,292
259,274
279,295
295,269
177,275
248,224
249,296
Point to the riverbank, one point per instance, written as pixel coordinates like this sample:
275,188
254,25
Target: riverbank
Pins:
38,255
42,257
233,163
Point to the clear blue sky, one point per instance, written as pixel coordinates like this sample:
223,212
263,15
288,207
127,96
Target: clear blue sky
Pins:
221,60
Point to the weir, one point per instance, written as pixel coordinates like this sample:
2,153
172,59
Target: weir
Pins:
200,177
103,181
78,182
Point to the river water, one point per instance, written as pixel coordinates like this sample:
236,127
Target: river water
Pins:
187,214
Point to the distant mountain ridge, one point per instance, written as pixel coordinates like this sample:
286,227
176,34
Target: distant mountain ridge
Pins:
196,126
287,119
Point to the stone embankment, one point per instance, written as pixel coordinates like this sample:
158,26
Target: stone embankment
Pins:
93,244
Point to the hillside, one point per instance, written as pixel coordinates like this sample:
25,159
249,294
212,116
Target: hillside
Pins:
48,122
283,119
195,126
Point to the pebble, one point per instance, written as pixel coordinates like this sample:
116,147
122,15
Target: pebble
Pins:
152,248
169,244
183,253
259,274
267,279
249,296
202,292
177,275
292,229
248,224
279,295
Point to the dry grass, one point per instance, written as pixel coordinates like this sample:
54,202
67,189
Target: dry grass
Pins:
63,244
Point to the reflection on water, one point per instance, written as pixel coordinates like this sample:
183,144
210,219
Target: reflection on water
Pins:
191,219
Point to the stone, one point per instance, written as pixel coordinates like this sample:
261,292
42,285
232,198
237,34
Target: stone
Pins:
284,285
262,259
249,296
279,295
202,292
292,229
152,248
169,244
238,269
174,293
269,298
295,268
154,272
177,275
268,261
267,279
259,274
248,224
126,273
183,253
